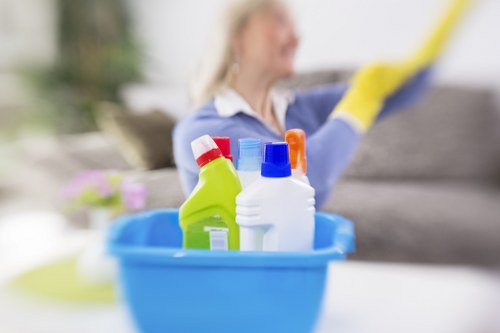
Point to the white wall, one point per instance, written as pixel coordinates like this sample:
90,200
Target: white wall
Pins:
28,37
27,32
173,33
334,33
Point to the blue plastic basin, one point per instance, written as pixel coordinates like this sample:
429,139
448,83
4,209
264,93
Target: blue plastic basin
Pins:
172,290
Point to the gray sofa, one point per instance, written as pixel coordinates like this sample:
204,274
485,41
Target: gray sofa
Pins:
424,186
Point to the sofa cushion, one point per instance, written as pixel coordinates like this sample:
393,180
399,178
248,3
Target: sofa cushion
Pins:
309,80
145,140
92,151
163,187
442,222
454,133
66,156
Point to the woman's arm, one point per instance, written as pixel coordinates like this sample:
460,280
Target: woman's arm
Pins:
408,95
329,151
323,99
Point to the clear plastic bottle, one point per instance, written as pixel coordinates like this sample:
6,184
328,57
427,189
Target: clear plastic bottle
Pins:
276,212
249,160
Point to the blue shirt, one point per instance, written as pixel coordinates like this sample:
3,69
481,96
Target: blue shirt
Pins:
331,142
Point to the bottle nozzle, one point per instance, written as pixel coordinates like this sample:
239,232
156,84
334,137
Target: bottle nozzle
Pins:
296,139
250,154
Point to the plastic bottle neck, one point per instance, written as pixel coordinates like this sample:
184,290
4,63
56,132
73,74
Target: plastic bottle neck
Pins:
208,157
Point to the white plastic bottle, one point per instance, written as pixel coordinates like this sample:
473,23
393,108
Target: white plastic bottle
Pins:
276,212
296,139
249,160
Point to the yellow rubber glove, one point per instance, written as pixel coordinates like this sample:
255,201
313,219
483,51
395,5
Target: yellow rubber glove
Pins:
370,87
374,83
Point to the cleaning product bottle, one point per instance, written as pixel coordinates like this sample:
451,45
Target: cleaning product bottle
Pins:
296,139
224,144
249,160
277,211
207,217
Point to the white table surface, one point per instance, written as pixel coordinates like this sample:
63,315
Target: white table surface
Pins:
360,297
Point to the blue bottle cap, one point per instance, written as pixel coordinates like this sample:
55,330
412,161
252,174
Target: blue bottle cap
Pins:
276,161
250,154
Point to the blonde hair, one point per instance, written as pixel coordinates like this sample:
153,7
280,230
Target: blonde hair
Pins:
216,68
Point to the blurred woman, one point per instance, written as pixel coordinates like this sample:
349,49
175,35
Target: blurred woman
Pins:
253,48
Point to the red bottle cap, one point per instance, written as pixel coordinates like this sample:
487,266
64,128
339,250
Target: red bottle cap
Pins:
224,144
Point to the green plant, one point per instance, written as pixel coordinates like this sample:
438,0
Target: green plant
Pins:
105,189
97,56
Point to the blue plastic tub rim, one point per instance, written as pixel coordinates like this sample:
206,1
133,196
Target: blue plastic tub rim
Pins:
127,240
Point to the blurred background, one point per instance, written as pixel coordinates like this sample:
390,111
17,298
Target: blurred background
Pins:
99,85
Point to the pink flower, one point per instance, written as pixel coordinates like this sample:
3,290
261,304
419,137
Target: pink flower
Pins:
79,184
105,188
134,195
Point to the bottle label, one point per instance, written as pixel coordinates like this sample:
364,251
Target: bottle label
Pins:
211,233
218,238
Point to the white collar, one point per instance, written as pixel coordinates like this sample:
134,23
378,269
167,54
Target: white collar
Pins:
229,102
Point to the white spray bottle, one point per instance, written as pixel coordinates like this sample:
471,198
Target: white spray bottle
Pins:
276,212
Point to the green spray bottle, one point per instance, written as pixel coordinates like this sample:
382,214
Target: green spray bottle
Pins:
208,216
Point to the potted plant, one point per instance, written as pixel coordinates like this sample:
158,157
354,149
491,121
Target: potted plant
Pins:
105,194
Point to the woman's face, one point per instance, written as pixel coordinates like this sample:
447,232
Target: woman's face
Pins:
267,43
